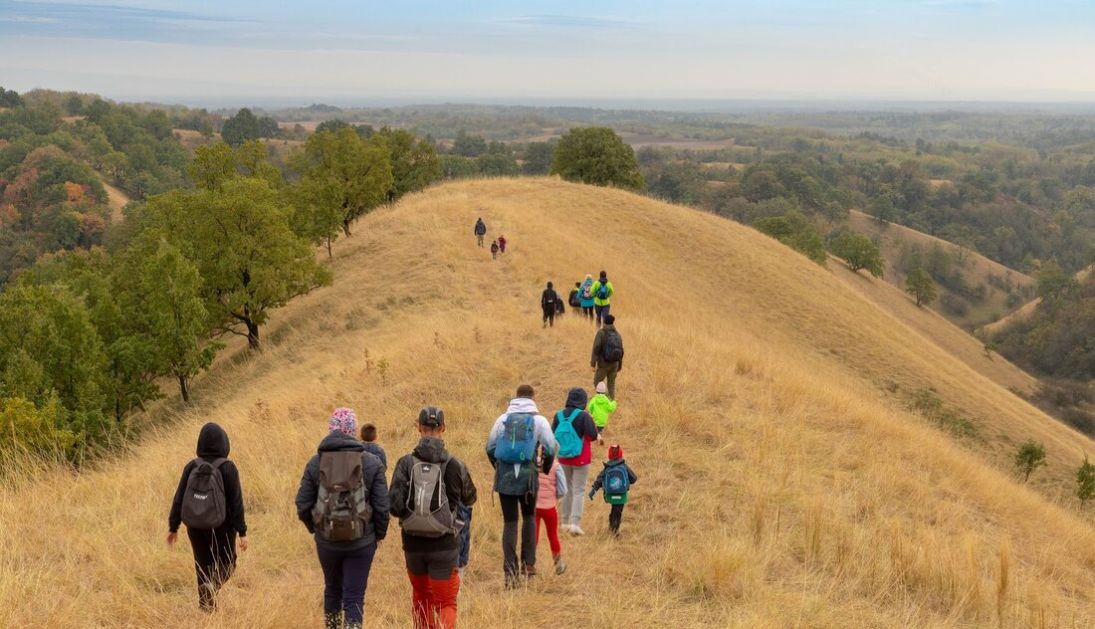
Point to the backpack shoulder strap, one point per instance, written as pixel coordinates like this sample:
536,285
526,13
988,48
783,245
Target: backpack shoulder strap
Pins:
574,415
217,463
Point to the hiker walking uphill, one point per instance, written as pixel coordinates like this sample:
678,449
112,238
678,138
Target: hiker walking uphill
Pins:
553,487
343,502
511,449
602,297
494,250
575,431
501,244
616,478
586,299
549,303
608,355
480,231
368,440
601,406
428,488
210,502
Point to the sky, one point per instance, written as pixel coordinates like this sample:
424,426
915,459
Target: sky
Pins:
235,52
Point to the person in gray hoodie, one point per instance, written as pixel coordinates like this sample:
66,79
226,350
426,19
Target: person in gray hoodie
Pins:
346,562
511,448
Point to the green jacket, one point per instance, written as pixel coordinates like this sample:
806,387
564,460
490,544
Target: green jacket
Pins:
596,287
600,407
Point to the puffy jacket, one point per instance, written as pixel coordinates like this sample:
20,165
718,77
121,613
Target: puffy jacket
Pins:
583,425
519,479
374,448
613,499
587,303
213,444
480,228
376,487
600,407
459,489
597,301
553,486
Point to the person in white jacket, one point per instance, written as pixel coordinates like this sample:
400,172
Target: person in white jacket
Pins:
511,449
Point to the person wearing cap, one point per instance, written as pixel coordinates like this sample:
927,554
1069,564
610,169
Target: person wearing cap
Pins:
618,499
517,485
602,296
432,562
346,564
605,370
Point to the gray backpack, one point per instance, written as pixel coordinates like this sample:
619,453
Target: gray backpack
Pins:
431,514
203,503
342,510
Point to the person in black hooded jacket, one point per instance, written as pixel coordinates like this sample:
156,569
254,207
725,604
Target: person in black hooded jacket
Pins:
214,549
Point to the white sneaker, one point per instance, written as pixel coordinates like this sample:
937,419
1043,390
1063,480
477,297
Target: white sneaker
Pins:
576,530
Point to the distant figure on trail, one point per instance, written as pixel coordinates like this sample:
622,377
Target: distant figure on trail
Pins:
616,479
549,304
553,487
368,438
573,299
608,355
602,297
501,244
511,449
480,231
428,488
586,297
601,406
343,502
574,431
494,250
210,502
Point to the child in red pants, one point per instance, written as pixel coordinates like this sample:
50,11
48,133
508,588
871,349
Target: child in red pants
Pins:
553,486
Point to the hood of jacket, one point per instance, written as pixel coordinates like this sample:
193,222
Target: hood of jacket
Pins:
431,450
613,463
577,398
609,326
522,405
337,441
213,442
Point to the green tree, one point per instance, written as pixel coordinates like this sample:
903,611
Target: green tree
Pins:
497,164
1054,283
239,237
1030,456
33,428
414,162
1085,482
858,252
468,145
212,165
538,157
919,284
245,125
793,230
596,155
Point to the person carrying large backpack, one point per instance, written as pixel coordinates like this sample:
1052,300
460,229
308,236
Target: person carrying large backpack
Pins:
480,231
210,502
429,487
585,296
343,502
608,355
602,297
549,303
511,448
574,431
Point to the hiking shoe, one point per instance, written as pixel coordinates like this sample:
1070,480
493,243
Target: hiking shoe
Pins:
560,565
528,571
576,530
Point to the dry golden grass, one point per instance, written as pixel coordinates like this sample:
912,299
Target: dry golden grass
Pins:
117,199
782,484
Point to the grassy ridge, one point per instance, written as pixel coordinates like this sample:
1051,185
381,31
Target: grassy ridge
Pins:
782,483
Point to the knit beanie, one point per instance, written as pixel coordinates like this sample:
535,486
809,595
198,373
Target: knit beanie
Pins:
602,387
615,452
343,420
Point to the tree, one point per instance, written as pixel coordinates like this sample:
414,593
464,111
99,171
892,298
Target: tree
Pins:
468,145
1054,283
1030,456
212,165
920,285
858,252
10,98
34,428
414,162
335,125
1085,482
348,175
596,155
239,237
245,125
497,165
793,230
538,157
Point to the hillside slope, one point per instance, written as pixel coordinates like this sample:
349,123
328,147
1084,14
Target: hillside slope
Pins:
782,480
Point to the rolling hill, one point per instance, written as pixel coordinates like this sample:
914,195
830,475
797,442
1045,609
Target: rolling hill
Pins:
788,475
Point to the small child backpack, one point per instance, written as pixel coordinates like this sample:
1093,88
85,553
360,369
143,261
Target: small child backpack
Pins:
617,482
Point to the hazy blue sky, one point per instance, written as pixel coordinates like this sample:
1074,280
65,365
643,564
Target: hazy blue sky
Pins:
341,51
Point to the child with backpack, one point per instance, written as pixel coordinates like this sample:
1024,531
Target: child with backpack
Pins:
429,487
210,502
368,439
616,478
586,298
553,487
494,250
343,502
574,299
601,406
501,244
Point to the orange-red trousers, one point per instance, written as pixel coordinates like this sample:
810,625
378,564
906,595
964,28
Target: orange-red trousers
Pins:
434,601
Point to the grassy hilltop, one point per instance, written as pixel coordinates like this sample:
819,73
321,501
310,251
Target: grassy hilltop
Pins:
791,471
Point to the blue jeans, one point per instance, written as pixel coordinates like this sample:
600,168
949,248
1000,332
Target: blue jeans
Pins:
465,535
345,576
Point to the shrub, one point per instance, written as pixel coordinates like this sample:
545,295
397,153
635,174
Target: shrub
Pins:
1030,456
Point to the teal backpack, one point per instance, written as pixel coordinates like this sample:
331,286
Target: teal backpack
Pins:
570,444
518,441
617,481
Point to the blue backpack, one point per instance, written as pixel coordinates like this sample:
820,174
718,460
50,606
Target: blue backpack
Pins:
570,444
602,291
518,441
617,482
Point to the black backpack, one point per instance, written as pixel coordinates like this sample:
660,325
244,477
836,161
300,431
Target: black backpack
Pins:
612,346
203,504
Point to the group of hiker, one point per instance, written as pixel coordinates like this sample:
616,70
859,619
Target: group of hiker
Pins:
592,297
497,246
